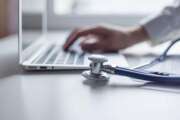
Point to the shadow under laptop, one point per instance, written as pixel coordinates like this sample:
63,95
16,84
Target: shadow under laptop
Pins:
51,72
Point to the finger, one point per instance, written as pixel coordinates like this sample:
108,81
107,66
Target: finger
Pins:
91,45
80,33
70,40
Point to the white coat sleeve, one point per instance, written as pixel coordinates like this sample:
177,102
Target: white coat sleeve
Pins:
165,25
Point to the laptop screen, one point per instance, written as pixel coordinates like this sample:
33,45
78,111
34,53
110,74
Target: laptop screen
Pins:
43,49
31,23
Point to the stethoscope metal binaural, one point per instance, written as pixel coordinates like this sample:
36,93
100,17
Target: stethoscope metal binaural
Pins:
98,71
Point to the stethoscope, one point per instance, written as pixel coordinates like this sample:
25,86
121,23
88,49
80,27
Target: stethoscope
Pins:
98,70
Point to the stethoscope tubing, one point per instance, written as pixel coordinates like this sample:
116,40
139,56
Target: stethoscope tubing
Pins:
147,75
142,74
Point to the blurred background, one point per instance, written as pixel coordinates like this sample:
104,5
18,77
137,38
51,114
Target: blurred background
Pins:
68,14
8,17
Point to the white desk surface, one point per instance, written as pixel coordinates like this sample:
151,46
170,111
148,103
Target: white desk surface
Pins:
63,95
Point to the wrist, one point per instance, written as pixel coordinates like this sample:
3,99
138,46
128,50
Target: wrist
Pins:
138,34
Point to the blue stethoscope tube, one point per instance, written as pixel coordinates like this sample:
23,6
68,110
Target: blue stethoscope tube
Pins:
141,73
147,75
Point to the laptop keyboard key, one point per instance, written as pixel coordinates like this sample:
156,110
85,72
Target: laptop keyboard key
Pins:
43,57
71,58
80,60
61,58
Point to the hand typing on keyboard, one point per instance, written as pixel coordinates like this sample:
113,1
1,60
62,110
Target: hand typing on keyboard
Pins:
105,38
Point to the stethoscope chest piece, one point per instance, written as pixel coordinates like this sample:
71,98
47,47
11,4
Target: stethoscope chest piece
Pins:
95,73
103,77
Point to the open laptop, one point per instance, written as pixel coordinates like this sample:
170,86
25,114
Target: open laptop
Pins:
40,49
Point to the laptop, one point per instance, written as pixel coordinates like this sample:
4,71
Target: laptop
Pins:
41,49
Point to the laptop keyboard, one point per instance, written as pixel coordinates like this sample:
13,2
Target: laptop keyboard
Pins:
55,55
70,58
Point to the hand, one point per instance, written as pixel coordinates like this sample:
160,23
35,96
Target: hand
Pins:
106,39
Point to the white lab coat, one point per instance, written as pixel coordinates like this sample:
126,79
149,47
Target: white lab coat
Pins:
165,25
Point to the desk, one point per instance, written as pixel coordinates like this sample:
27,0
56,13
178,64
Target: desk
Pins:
64,96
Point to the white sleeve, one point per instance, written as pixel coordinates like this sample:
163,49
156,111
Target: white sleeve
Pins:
165,25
